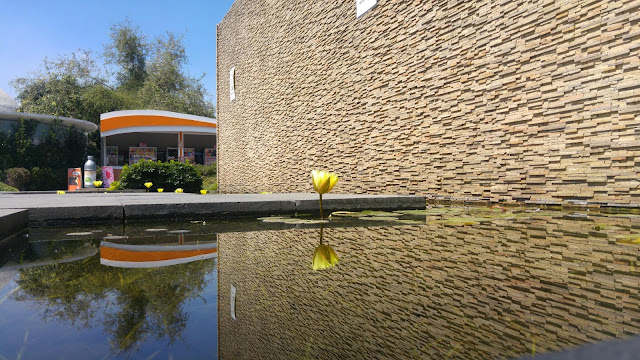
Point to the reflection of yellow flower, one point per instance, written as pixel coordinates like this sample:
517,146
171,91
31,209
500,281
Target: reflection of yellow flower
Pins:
160,189
60,192
148,184
323,181
203,192
324,257
97,183
179,190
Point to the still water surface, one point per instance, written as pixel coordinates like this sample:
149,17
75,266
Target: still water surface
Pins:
454,283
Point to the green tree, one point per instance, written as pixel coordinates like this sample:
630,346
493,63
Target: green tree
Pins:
129,51
132,73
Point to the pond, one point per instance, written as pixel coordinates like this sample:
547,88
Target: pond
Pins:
457,283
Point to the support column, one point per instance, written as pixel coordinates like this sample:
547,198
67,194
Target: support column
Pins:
103,149
180,146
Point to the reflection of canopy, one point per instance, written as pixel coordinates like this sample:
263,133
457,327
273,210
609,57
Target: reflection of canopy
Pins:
148,256
76,255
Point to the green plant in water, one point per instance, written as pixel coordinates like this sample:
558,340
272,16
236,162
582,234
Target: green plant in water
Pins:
323,182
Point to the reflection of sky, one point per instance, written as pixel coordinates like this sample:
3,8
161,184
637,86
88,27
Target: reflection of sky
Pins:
22,329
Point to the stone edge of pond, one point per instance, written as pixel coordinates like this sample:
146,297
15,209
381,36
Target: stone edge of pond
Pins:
12,221
126,210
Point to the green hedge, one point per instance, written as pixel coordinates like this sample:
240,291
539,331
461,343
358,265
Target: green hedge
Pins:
59,147
207,170
167,175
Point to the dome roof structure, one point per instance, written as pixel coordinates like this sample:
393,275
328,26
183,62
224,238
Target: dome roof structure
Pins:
9,111
7,104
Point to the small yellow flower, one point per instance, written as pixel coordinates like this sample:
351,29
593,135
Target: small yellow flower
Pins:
203,192
97,183
60,192
323,181
148,184
179,190
160,189
324,257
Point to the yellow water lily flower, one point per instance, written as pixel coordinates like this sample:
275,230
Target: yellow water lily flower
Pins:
160,189
203,192
148,184
97,183
323,181
324,257
179,190
60,192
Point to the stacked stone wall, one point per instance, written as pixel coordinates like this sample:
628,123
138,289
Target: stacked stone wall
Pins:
502,100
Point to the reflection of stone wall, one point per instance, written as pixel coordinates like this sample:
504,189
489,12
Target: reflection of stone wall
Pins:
475,292
530,100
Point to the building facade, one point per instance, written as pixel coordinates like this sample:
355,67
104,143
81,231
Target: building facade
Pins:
533,101
128,136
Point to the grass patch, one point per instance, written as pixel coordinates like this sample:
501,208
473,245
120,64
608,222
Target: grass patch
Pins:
210,183
5,187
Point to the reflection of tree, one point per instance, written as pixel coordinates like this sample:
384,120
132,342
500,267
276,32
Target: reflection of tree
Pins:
136,303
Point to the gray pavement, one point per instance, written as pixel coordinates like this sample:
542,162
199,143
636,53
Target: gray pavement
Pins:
114,207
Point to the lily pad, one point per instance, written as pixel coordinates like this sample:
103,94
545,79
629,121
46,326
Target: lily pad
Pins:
289,220
380,218
155,230
378,213
429,212
304,221
601,227
541,214
406,221
179,231
347,214
84,233
630,239
115,237
457,221
273,219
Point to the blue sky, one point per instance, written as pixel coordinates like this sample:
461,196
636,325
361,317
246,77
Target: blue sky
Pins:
34,29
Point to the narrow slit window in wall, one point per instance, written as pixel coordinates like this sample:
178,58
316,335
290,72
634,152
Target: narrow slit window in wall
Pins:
232,83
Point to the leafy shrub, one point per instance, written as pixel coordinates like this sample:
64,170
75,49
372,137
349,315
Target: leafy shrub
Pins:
170,176
48,178
207,170
115,185
18,178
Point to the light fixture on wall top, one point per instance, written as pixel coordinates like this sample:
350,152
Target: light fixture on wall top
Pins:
362,6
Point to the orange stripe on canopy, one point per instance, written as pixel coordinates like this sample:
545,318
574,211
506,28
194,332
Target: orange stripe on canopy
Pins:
149,120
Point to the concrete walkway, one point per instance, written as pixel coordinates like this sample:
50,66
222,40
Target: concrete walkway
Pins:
120,207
